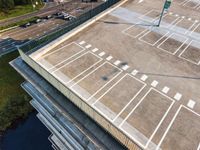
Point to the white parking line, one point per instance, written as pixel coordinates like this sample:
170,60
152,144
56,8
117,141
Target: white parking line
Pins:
82,42
152,44
125,67
154,83
144,77
176,35
178,96
134,72
172,121
191,104
198,146
63,81
117,62
88,46
102,54
165,89
157,127
120,71
95,50
180,55
109,58
144,85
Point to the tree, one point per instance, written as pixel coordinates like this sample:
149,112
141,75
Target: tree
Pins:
5,5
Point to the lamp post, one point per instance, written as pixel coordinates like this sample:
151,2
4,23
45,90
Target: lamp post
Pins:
166,6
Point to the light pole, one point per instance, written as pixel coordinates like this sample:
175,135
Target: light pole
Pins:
166,6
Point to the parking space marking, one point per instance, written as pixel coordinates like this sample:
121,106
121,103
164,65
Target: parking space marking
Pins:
95,50
187,4
172,22
117,62
144,77
88,46
191,61
109,58
159,124
120,71
82,42
198,146
178,96
134,27
191,104
187,29
102,54
134,72
171,123
165,89
100,59
125,67
53,66
151,31
138,92
62,48
176,36
154,83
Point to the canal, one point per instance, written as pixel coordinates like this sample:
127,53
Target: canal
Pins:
29,134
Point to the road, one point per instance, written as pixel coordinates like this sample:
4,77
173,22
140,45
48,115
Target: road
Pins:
9,40
43,12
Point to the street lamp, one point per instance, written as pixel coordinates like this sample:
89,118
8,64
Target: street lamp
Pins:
166,6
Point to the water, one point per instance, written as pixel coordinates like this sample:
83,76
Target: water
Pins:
30,134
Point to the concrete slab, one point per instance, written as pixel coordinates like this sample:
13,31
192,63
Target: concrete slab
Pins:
183,132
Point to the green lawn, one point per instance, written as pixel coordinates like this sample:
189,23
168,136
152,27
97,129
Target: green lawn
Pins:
18,10
14,101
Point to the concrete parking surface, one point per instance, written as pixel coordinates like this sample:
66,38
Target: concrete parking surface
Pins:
144,79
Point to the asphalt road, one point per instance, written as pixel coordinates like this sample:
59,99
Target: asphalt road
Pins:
9,40
43,12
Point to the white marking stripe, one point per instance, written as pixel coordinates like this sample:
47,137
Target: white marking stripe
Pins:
198,146
178,96
172,121
134,72
165,90
117,62
95,50
82,42
102,53
109,58
125,67
191,103
144,77
144,146
154,83
140,1
88,46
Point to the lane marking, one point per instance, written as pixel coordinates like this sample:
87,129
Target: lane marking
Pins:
154,83
159,124
134,72
125,67
88,46
191,104
178,96
117,62
102,54
109,58
95,50
82,42
171,123
165,89
144,77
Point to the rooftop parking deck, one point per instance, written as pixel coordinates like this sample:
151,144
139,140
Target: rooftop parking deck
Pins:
142,78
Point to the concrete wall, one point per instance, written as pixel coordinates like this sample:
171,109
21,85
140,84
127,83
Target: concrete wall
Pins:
109,127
